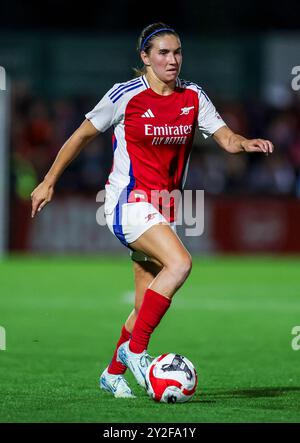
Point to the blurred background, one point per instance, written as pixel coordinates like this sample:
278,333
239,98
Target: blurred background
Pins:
60,59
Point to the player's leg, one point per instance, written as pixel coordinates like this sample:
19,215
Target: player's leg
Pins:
111,378
164,245
161,243
144,274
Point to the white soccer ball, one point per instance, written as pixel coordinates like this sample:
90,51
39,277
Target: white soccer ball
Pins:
171,378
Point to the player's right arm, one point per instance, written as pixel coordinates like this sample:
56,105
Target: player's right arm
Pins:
43,193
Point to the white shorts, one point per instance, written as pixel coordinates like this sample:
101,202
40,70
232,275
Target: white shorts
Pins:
130,220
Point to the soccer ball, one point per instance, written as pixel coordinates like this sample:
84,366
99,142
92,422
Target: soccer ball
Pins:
171,378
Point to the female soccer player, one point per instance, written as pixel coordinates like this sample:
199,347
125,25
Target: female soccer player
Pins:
154,118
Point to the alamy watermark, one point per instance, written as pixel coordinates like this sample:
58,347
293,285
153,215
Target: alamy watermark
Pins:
296,340
296,80
185,207
2,339
2,79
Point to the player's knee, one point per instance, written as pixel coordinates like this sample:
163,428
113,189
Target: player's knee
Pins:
186,266
181,268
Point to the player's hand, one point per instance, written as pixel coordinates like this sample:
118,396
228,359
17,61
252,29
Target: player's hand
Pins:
258,145
40,196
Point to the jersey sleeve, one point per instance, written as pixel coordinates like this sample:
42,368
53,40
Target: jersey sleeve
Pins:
105,113
209,120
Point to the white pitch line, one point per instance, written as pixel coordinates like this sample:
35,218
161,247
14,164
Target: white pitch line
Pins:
128,297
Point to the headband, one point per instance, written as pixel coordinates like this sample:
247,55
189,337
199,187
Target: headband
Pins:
155,32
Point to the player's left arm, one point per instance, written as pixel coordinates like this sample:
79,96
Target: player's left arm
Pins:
235,143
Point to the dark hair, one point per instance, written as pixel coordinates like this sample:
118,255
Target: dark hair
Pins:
146,38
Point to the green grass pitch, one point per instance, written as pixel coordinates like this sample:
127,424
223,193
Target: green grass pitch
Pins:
233,319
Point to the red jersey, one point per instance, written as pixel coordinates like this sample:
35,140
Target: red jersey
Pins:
153,136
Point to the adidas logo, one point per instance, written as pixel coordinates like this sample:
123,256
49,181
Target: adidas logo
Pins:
148,114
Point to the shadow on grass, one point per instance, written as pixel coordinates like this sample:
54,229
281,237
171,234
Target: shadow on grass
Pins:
204,401
252,392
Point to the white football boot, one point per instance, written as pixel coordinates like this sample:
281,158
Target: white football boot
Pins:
116,384
137,363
